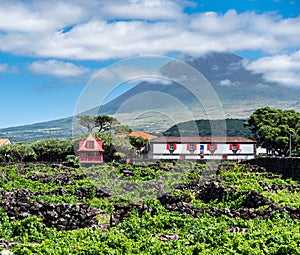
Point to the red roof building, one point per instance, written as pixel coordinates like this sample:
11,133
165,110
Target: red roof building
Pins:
142,134
90,150
138,134
4,141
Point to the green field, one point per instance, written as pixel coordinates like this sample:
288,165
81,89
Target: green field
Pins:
148,208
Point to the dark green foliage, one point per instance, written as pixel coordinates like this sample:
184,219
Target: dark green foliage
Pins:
43,150
140,144
105,122
65,150
121,129
87,122
234,127
102,122
53,150
273,129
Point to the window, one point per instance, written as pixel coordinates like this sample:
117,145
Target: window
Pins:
90,144
82,154
171,146
235,147
91,154
192,147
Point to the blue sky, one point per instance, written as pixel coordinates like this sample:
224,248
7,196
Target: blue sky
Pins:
49,50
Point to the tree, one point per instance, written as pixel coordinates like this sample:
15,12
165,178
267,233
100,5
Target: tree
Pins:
140,144
273,129
122,129
105,122
53,149
17,152
87,121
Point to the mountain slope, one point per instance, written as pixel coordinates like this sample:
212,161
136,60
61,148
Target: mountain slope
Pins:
240,92
234,127
61,129
155,106
232,83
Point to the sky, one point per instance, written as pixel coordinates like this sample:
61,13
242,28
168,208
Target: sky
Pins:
50,50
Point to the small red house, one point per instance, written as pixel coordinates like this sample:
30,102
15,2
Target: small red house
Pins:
90,150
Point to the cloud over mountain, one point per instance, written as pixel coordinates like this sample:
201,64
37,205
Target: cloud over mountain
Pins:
57,68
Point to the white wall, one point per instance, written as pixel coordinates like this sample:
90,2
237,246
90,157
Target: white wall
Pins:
159,151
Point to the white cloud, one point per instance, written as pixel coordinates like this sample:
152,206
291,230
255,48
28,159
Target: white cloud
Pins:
229,83
5,68
142,9
58,68
101,30
283,69
39,17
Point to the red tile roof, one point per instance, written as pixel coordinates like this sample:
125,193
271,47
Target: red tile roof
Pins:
97,144
202,139
142,134
4,141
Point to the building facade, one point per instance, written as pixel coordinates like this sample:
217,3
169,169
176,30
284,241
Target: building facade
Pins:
193,148
90,151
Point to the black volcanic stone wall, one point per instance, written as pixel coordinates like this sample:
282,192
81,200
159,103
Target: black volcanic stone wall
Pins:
287,167
61,216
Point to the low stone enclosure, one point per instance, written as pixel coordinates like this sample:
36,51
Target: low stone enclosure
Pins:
17,203
287,167
210,189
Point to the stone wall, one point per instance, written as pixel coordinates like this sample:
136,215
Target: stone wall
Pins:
287,167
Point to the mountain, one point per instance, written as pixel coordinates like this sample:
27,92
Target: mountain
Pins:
231,81
228,77
238,90
155,106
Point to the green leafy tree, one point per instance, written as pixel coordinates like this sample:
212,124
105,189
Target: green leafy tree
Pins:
105,122
273,129
87,122
53,149
140,144
122,129
17,152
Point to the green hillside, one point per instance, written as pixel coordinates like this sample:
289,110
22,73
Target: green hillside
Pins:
59,129
234,127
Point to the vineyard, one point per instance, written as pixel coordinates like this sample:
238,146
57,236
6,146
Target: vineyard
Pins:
147,208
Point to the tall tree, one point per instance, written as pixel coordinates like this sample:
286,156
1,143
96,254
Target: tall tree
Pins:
274,129
105,122
87,121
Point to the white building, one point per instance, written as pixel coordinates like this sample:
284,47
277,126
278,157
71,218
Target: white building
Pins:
205,147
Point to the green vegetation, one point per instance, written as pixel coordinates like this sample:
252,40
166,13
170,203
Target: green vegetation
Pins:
64,150
102,123
274,129
156,230
56,129
43,150
234,127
